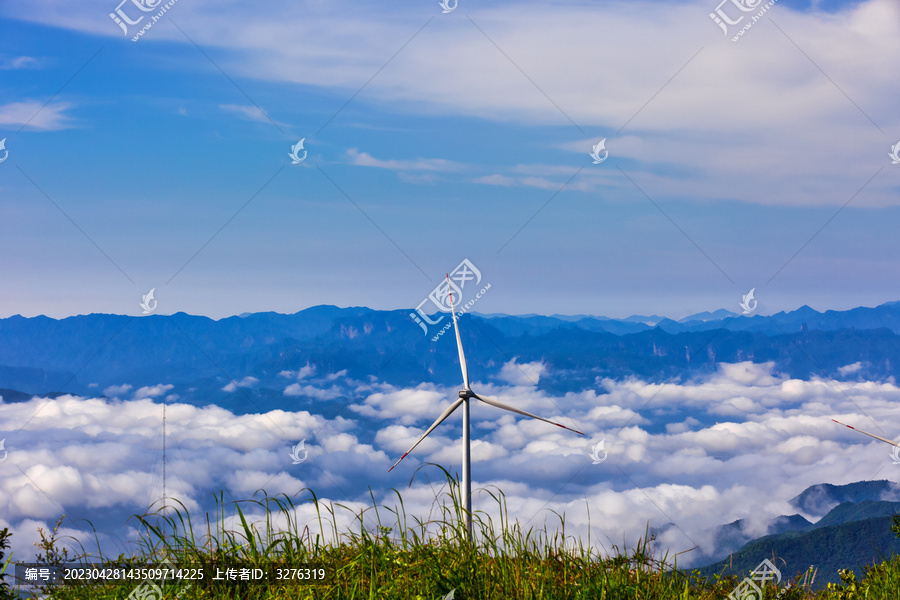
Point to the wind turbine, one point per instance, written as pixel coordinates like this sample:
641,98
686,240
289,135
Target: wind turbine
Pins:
891,442
465,395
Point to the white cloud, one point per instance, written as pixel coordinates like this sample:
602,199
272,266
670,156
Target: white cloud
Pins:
246,382
364,159
748,373
152,391
105,453
51,117
848,369
249,112
504,180
20,62
248,482
397,439
686,425
482,451
405,405
304,372
612,416
117,390
497,179
295,389
522,374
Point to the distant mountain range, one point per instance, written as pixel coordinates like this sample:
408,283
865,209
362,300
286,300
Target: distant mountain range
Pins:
85,354
854,530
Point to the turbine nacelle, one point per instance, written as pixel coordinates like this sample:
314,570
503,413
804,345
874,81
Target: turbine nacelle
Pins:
466,394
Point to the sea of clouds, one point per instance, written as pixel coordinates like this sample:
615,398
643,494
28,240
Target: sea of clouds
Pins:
685,457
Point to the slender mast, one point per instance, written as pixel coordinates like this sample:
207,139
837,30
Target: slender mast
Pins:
467,468
164,456
467,445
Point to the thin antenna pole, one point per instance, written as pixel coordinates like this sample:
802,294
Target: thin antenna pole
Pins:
467,469
164,456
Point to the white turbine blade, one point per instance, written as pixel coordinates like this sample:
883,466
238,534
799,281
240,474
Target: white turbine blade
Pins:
462,356
499,404
440,420
891,442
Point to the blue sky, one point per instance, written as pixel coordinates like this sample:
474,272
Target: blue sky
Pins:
725,158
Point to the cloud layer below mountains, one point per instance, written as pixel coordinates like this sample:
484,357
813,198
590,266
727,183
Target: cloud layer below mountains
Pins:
738,444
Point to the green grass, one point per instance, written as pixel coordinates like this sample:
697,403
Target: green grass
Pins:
381,557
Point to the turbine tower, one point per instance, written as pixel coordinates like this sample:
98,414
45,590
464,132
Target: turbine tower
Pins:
465,395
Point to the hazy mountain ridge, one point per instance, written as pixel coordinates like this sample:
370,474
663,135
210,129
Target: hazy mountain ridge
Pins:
828,549
856,531
39,355
820,499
